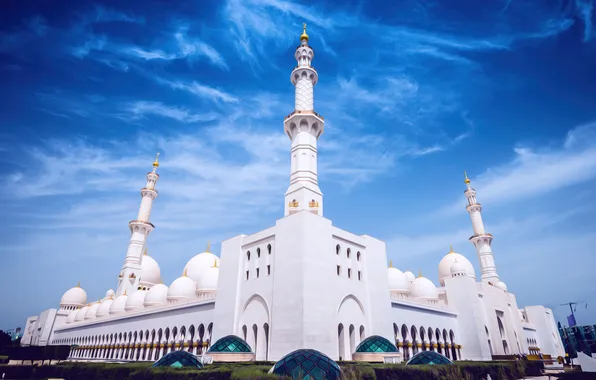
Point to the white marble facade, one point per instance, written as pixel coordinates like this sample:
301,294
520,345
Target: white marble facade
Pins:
302,283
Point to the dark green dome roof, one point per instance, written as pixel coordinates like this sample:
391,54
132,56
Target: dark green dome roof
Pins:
230,343
429,357
178,359
376,343
306,364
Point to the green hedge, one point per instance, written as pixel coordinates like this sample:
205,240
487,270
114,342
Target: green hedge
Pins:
243,371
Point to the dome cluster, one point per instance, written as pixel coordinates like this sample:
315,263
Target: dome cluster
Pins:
453,264
200,278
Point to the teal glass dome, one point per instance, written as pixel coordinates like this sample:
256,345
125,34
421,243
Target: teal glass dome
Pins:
428,357
178,359
230,344
306,364
376,343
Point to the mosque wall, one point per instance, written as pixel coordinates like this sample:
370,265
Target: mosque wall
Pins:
547,334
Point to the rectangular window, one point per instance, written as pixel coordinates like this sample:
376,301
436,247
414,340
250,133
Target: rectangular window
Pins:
257,272
338,270
349,272
359,275
268,270
246,275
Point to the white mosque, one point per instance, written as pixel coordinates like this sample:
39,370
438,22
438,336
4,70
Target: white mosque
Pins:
301,283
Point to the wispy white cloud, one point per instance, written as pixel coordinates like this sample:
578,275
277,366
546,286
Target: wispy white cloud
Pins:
200,90
139,109
585,9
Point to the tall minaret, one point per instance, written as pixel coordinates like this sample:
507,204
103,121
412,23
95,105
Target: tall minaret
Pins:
481,239
303,127
129,277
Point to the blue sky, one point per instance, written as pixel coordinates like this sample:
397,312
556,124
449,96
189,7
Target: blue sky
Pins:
413,93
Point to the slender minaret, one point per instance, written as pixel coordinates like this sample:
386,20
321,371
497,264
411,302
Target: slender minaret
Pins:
481,239
303,127
129,277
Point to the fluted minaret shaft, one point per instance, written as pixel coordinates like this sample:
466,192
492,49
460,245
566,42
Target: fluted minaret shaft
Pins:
303,127
129,276
481,239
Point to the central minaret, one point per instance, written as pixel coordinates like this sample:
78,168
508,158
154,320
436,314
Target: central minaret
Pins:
481,239
129,277
303,127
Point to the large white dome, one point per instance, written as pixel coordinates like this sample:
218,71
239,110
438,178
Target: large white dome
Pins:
81,313
208,280
423,288
110,294
457,268
501,285
397,279
92,311
71,316
136,300
157,295
150,272
200,264
119,304
448,260
410,276
183,288
104,308
74,297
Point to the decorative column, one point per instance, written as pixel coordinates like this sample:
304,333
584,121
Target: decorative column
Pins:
304,126
481,239
128,279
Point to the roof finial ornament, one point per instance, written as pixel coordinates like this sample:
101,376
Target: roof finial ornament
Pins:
208,246
451,249
390,263
79,284
419,273
124,292
156,162
467,180
214,264
146,252
184,274
304,36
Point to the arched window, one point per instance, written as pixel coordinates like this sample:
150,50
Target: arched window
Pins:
258,252
348,252
358,256
269,248
248,255
337,249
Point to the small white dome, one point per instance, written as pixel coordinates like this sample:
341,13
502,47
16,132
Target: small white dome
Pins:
92,311
74,297
200,264
448,260
110,294
208,281
150,272
119,304
423,288
71,316
157,295
410,276
81,314
397,279
457,269
104,308
136,300
501,285
183,288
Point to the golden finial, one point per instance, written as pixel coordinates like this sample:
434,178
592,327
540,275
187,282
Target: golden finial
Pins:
184,273
79,284
214,264
304,36
156,162
145,253
390,264
467,180
451,249
208,246
124,292
419,273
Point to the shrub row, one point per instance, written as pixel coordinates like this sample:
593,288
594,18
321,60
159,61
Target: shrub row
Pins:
236,371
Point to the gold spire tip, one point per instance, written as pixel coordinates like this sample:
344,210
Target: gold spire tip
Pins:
419,273
156,162
79,284
450,248
390,264
145,253
208,246
214,264
124,293
184,273
467,180
304,36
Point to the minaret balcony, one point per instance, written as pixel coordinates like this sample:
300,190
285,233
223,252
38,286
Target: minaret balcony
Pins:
141,222
298,112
